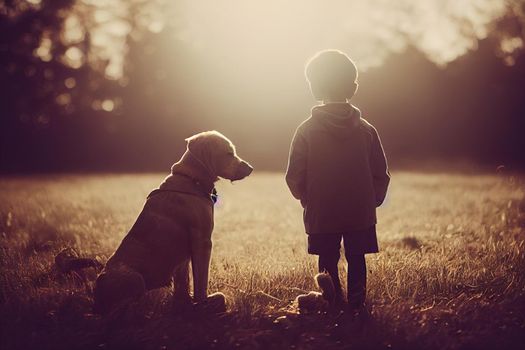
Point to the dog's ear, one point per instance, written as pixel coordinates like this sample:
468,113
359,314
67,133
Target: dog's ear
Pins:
200,141
191,143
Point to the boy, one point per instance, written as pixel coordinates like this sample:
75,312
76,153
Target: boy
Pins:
337,169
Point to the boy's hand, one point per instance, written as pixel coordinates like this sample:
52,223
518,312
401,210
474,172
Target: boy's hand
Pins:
296,170
379,167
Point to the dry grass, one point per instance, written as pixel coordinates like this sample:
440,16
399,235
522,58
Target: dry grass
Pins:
450,273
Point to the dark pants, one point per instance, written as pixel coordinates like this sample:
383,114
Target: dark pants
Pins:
356,278
356,245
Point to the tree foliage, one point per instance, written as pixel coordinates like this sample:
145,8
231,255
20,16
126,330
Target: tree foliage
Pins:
89,84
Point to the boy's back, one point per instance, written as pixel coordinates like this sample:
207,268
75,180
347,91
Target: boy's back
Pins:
337,169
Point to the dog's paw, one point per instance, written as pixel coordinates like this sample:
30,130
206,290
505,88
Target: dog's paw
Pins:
181,303
214,303
217,302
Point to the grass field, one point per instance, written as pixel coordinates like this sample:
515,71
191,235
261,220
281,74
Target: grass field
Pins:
450,274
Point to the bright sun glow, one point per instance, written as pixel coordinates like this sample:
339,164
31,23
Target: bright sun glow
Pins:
246,33
368,29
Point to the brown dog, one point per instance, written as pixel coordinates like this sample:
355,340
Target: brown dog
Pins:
174,228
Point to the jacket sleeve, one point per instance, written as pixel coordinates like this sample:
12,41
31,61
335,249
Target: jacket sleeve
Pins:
379,167
296,171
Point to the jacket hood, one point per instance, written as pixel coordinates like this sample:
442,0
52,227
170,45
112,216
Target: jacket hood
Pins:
338,119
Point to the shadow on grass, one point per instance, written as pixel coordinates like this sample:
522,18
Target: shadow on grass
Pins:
150,324
57,320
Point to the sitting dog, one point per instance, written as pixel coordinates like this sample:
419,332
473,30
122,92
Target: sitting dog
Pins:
318,301
174,228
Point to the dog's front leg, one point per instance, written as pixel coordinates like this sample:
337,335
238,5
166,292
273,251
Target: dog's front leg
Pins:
200,264
181,281
181,284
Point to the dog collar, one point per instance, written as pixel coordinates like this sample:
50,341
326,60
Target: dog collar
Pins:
212,196
200,189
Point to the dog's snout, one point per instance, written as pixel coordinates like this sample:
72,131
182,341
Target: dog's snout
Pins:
248,167
244,169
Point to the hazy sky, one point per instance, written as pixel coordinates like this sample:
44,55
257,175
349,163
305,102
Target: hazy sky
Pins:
252,32
369,29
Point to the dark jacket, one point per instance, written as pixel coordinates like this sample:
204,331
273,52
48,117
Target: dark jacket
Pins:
337,169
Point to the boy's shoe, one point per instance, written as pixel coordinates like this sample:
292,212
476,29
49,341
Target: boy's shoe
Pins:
358,311
338,306
340,303
353,320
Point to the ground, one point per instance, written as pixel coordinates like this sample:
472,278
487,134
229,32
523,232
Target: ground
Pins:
450,273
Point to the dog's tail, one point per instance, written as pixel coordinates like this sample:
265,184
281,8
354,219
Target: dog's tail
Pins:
325,283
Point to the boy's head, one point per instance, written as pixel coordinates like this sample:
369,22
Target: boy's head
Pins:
332,76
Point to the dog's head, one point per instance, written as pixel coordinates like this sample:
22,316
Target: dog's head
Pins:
217,153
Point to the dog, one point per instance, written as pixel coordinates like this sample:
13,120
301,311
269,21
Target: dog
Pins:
318,301
173,229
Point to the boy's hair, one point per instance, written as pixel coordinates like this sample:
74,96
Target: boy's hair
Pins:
331,74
